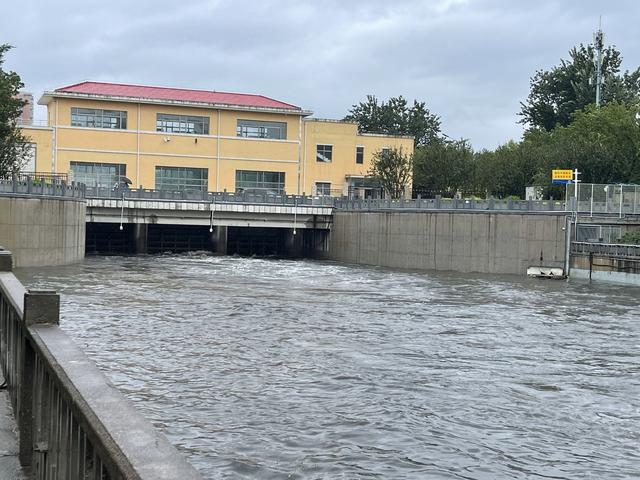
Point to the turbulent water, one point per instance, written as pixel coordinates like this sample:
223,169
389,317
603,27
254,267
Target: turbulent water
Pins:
296,369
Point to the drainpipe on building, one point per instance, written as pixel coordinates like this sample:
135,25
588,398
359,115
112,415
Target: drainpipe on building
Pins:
299,152
218,154
138,149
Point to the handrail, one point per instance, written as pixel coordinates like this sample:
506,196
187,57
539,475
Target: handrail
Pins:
439,203
74,424
121,193
45,186
606,249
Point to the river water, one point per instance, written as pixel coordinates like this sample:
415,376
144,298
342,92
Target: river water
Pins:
265,368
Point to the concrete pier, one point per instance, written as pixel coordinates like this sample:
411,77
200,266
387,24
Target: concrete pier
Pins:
43,231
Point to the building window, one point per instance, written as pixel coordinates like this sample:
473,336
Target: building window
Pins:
166,122
30,154
105,175
360,155
260,129
181,178
323,188
386,151
324,153
97,118
268,182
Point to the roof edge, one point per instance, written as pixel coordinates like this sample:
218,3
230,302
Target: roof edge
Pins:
48,95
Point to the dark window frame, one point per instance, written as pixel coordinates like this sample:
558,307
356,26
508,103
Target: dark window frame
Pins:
324,153
261,180
101,178
325,189
98,118
359,154
174,178
185,124
261,129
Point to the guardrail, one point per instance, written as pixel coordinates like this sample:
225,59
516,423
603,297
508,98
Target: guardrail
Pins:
41,177
208,197
43,187
606,249
74,425
450,204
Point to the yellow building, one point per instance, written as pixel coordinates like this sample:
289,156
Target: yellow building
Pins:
173,139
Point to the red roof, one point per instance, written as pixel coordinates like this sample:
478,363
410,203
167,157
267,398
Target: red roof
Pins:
175,95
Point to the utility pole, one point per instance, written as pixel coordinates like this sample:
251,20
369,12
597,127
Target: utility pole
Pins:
598,41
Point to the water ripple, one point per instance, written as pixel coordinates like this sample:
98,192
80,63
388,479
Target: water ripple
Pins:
274,369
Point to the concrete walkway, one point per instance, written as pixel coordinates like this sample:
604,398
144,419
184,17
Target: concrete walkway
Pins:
9,465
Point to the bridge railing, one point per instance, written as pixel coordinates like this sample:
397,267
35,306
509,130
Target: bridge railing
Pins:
46,185
208,197
450,204
606,249
73,424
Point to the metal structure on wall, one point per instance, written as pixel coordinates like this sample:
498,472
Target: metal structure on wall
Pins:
598,198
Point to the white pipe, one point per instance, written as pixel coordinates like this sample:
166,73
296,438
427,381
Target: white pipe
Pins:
621,193
304,156
218,155
213,209
567,253
299,150
122,210
295,213
54,162
138,149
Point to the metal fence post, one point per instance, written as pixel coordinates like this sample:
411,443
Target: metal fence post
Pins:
40,307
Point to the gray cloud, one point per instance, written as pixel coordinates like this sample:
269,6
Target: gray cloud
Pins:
470,60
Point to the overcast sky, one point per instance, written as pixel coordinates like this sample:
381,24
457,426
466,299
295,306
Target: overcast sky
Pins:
469,60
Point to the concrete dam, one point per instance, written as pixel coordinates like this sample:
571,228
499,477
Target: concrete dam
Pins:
483,242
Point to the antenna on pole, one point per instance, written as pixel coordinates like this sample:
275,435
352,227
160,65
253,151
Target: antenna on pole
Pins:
598,42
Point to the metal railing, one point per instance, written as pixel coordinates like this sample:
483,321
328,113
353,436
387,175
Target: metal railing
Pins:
74,425
47,177
450,204
208,197
594,198
46,186
606,249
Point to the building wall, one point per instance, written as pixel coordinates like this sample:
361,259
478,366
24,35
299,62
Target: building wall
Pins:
462,242
344,138
42,137
42,231
141,148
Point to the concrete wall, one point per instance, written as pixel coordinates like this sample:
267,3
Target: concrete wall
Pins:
42,231
463,242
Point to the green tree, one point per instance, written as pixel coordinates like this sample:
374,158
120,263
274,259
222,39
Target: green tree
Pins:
444,167
557,93
13,146
393,169
396,117
604,144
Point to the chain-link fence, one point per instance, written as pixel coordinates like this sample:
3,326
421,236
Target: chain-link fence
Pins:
602,198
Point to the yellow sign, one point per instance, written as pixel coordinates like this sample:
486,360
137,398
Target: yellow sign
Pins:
562,175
